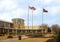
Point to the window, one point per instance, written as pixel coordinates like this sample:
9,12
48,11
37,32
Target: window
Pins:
14,20
18,21
1,24
18,25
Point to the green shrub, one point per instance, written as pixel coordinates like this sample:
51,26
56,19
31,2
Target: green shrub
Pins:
58,37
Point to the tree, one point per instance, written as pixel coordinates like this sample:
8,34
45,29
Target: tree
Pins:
55,28
49,29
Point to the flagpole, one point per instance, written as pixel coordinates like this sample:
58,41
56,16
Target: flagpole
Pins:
42,14
32,19
42,21
28,18
42,18
32,8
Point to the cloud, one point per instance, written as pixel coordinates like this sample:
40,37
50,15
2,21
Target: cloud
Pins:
19,9
53,10
7,6
9,10
47,1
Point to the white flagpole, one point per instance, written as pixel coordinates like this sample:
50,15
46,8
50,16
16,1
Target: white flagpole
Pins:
42,18
28,18
32,19
42,21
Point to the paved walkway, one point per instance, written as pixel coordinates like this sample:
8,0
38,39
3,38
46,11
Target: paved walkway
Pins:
26,39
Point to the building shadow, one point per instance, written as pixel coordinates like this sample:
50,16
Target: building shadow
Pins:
39,37
35,37
51,40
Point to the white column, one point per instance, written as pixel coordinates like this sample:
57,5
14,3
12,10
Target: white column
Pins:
8,28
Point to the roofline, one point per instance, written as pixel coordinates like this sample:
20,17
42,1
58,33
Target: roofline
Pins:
5,21
17,18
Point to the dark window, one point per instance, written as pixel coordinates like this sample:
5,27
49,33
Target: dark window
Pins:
18,25
1,24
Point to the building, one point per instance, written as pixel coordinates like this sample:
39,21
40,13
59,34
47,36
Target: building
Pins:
17,27
42,28
7,27
18,23
4,26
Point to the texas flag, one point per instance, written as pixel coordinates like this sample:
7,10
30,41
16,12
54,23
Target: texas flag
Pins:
44,10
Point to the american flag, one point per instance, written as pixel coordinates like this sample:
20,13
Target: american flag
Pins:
32,8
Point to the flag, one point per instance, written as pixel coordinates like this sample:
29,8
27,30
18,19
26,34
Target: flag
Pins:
44,10
32,8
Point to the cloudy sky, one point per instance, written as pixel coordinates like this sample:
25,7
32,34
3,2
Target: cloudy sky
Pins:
19,9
